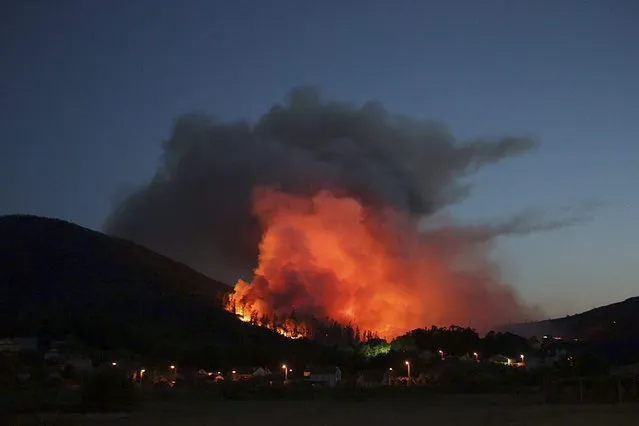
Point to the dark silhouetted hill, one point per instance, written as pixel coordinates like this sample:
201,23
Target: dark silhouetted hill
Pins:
618,320
58,279
611,331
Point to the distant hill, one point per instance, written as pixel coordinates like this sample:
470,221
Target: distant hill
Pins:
58,279
618,320
611,331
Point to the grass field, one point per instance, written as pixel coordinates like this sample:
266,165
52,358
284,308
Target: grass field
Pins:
471,410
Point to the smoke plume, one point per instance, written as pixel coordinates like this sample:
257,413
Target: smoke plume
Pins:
199,206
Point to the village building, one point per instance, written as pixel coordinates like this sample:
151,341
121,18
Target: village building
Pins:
626,371
210,375
327,375
371,379
18,344
80,363
501,359
248,373
467,357
52,355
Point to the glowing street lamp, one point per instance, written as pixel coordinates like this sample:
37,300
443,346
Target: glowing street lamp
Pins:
390,371
114,364
408,365
476,355
522,358
441,354
285,368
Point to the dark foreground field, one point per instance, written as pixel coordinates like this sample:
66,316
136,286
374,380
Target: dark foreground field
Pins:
470,410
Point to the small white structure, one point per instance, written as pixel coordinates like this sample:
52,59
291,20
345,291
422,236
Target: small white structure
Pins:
18,344
501,359
371,379
80,363
261,372
631,370
52,355
247,373
327,376
467,358
8,345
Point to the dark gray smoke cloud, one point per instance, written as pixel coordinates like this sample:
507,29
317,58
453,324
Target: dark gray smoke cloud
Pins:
197,207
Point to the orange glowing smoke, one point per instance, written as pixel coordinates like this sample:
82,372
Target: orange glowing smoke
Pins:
331,257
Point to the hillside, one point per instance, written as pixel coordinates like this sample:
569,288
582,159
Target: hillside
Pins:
611,331
58,279
617,320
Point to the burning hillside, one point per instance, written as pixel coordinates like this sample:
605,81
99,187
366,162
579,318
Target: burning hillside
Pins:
327,256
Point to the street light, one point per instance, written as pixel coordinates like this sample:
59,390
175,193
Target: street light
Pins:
114,364
174,371
285,372
476,355
522,358
390,371
441,354
408,365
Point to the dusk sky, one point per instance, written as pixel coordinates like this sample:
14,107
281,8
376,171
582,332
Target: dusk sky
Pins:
90,89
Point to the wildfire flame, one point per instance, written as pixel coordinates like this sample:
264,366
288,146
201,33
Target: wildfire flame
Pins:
330,257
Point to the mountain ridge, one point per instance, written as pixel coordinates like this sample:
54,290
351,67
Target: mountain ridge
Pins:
615,320
59,279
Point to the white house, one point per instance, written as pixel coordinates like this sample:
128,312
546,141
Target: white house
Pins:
328,375
371,379
8,345
247,373
80,363
501,359
18,344
52,355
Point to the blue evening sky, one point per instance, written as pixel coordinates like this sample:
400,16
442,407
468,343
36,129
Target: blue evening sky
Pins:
89,89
